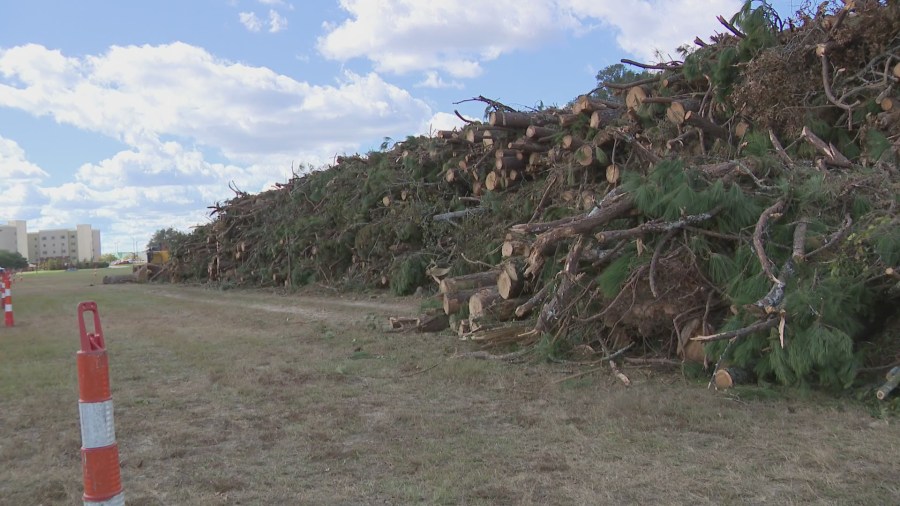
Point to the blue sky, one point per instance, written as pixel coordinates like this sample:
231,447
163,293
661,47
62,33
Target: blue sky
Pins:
134,116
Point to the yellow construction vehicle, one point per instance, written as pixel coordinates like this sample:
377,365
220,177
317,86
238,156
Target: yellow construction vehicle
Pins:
157,254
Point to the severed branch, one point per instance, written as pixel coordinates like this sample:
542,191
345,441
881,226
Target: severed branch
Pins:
654,261
656,226
835,238
779,149
798,252
459,214
493,103
659,66
739,333
821,51
758,237
535,300
460,116
640,82
608,358
832,155
604,215
731,28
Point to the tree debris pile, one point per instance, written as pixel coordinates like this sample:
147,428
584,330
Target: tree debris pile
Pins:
736,209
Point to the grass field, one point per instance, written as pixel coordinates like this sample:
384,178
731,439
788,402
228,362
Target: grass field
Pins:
251,397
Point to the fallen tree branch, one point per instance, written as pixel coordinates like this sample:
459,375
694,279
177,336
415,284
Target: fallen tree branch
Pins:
492,103
739,333
459,214
761,225
608,358
822,50
585,225
779,149
655,227
659,66
835,238
731,28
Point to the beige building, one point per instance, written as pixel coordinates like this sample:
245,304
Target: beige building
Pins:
14,237
81,244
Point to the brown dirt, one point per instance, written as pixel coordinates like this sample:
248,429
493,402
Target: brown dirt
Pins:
258,398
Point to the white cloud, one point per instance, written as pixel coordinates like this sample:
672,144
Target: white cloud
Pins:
454,37
277,22
138,93
14,167
402,36
434,80
250,21
191,122
444,121
646,27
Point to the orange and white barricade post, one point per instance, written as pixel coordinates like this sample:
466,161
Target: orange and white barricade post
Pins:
99,451
7,300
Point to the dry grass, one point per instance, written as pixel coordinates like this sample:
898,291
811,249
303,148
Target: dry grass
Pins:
257,398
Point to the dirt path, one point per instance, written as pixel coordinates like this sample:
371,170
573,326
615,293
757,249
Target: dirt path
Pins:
310,307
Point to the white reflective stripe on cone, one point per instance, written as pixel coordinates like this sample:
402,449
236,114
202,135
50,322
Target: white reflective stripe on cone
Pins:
8,308
118,500
98,428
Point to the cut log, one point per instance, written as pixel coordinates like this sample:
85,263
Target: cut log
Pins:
500,310
519,119
567,120
571,143
456,300
678,110
635,97
603,117
741,129
509,163
511,280
481,299
493,181
612,173
513,248
118,279
386,200
524,144
887,104
728,377
469,281
536,132
587,155
708,127
433,323
897,70
892,377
